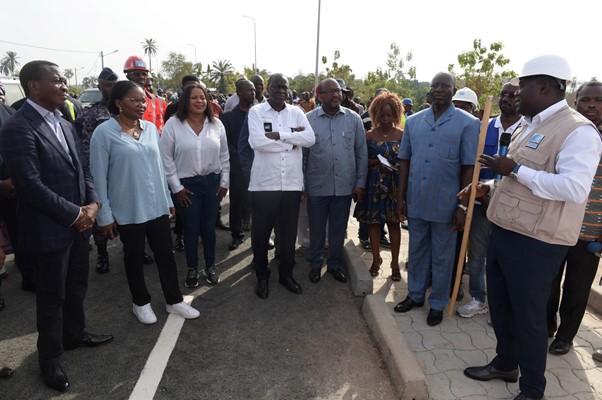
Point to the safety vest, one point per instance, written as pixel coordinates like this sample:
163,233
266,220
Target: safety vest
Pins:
155,109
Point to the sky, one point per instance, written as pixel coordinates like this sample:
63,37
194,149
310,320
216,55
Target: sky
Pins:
435,31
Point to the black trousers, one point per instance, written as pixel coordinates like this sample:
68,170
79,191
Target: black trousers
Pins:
133,236
581,268
520,271
23,259
268,209
62,282
240,203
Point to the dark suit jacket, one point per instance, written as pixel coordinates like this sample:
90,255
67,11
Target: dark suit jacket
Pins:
51,185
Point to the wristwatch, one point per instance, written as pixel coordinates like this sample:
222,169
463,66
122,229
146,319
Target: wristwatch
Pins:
514,173
463,208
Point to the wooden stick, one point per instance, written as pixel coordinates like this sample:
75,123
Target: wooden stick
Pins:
471,201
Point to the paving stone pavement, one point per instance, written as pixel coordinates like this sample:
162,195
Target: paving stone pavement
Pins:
444,351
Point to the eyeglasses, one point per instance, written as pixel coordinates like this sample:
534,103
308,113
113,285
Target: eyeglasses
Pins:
331,91
139,101
511,95
138,73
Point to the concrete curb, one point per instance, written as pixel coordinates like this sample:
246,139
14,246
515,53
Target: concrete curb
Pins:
595,297
361,281
406,374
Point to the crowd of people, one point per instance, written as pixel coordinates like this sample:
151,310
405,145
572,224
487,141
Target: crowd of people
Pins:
132,163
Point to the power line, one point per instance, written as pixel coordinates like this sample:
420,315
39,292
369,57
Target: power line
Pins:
49,48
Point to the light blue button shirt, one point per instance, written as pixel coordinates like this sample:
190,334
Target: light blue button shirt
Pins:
128,175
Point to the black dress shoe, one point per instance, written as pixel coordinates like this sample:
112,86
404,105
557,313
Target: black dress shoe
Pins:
525,397
235,244
148,260
489,372
434,318
314,275
6,372
263,289
291,284
220,225
88,340
55,378
339,275
560,347
102,265
407,305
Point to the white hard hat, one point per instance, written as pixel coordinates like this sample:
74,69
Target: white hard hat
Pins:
467,95
554,66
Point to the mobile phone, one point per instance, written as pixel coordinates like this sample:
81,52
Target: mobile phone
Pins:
267,127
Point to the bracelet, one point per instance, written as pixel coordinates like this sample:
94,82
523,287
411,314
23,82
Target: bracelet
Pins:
463,208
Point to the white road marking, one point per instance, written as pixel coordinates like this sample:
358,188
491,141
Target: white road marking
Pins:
151,375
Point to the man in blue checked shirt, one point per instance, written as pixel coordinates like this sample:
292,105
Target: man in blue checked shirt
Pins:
437,158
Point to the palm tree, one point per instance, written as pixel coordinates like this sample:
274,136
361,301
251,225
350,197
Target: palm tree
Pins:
150,49
68,74
219,70
9,63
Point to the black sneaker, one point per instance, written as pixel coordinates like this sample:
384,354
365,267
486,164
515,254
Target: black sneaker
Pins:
211,275
179,244
192,280
148,260
235,244
384,242
365,244
102,264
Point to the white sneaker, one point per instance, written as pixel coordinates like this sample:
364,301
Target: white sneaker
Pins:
183,309
471,309
144,314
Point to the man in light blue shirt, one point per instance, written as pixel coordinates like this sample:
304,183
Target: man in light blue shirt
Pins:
335,172
437,158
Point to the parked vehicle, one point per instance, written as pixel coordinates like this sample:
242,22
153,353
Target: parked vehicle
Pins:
14,91
89,97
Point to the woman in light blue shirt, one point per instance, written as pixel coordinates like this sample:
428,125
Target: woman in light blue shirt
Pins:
128,174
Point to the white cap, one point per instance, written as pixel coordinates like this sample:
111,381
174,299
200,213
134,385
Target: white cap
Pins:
550,65
467,95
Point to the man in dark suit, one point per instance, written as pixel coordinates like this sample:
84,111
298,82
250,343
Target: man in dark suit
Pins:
57,207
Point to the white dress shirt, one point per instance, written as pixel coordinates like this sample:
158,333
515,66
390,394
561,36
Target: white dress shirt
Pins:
278,164
186,154
576,164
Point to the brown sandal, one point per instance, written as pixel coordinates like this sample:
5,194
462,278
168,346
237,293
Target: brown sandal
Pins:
375,268
395,274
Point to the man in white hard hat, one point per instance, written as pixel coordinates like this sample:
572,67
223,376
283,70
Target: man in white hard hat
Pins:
536,213
466,99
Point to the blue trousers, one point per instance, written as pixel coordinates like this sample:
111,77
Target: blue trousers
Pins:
199,218
480,229
335,211
520,270
432,248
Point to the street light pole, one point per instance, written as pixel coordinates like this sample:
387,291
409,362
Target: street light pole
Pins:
75,71
188,44
317,48
102,57
254,39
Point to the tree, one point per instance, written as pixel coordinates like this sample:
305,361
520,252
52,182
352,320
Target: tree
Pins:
89,82
174,68
150,49
219,72
482,69
68,74
9,63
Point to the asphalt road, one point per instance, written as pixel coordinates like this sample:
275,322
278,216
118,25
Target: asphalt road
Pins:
310,346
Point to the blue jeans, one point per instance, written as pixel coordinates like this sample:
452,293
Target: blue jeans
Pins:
199,218
480,229
335,211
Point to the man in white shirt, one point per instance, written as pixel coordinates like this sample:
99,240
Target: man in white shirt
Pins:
536,212
277,131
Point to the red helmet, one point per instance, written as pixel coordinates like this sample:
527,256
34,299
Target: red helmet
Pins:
135,63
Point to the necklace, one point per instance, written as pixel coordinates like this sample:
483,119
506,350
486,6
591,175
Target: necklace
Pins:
132,131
